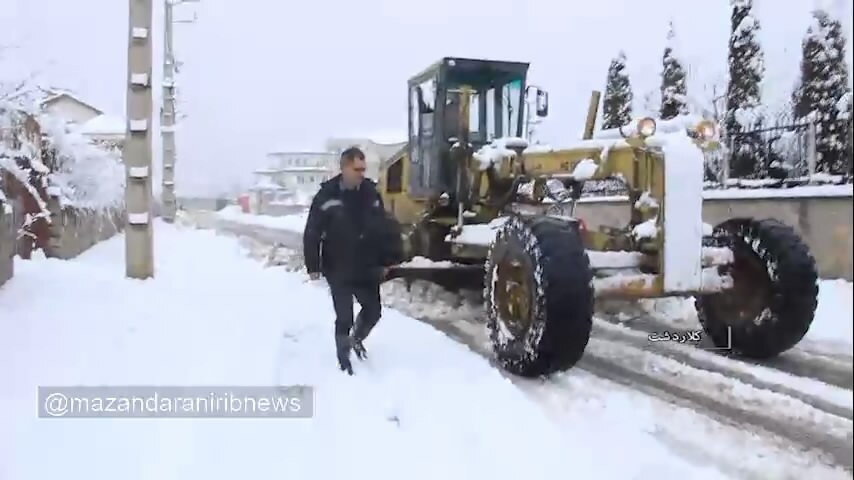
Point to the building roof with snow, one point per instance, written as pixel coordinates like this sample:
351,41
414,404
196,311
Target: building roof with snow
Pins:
52,95
304,151
104,125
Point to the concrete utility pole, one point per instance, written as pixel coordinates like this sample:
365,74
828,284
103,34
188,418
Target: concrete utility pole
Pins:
167,116
139,248
167,113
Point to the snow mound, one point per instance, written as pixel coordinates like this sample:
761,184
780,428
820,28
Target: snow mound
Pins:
585,170
832,325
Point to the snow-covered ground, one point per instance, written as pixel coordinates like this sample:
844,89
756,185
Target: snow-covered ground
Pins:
422,406
804,395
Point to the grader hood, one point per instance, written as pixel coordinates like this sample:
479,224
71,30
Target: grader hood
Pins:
662,167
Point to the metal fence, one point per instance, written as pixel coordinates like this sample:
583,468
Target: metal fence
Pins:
781,154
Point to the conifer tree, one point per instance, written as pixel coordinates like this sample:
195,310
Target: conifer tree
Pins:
823,94
743,99
673,80
617,102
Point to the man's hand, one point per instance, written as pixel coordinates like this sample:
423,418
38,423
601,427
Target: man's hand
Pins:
314,276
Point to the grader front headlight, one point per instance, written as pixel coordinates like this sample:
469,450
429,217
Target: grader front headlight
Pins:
706,130
646,127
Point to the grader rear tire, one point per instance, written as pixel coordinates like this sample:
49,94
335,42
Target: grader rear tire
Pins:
539,296
774,295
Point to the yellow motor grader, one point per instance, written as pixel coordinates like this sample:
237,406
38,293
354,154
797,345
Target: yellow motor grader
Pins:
486,209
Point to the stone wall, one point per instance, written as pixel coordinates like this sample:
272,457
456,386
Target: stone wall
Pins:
7,244
75,231
824,223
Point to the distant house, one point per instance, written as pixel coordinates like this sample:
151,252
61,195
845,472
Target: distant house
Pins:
67,106
83,117
300,171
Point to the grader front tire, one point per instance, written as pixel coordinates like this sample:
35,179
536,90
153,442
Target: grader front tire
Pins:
539,296
775,292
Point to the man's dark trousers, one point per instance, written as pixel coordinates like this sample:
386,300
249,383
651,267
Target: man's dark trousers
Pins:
367,293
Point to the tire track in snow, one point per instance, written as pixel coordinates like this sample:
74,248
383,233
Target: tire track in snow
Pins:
704,386
831,399
811,439
702,451
711,439
834,447
829,369
818,425
713,392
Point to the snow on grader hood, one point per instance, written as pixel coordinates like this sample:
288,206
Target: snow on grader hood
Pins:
500,215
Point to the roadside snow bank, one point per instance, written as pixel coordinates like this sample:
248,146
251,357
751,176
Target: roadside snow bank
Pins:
290,223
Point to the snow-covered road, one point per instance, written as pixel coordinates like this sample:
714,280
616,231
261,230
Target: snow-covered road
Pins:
423,406
801,402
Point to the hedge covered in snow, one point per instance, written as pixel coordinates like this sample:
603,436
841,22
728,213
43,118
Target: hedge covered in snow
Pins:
63,186
83,175
77,172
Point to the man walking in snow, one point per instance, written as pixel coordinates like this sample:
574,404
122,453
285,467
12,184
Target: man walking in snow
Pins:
347,240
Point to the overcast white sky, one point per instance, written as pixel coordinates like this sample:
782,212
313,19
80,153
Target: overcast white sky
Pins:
269,74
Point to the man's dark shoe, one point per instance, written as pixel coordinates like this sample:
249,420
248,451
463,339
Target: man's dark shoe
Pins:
361,330
359,349
358,327
342,346
346,366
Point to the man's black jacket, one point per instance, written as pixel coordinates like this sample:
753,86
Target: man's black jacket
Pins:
348,236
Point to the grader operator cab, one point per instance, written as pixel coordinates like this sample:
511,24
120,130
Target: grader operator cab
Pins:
489,211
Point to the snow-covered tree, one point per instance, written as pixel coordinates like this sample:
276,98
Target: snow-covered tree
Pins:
42,161
743,100
617,104
83,175
673,80
850,135
25,175
823,94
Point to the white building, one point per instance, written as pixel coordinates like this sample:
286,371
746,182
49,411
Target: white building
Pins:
293,177
377,147
301,171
